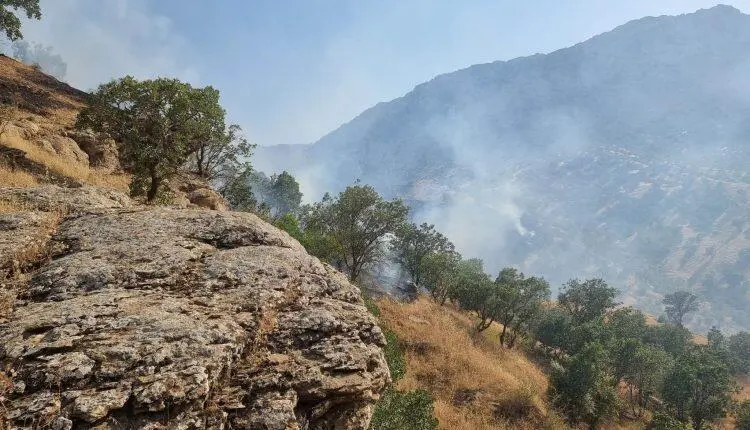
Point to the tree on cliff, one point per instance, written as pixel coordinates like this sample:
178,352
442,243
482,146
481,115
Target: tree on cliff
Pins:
220,158
9,21
159,124
358,220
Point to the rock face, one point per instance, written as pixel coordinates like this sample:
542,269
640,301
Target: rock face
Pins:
163,318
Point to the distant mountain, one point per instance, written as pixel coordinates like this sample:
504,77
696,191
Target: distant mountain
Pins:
626,156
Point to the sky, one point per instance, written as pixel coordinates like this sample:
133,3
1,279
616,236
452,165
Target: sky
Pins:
290,71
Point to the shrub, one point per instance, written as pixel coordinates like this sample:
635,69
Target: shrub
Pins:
394,356
742,415
404,411
516,405
371,306
663,421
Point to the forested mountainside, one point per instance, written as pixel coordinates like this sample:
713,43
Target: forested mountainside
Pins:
625,156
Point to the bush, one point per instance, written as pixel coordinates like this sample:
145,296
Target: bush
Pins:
404,411
371,306
667,422
517,405
394,356
742,415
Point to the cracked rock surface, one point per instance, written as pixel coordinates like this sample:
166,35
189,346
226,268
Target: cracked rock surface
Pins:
161,318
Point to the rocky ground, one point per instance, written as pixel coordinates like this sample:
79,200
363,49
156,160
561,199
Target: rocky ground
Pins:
115,315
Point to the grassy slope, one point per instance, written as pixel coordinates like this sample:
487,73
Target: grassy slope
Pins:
470,375
54,106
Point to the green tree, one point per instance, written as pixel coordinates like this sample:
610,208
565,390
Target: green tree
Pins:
222,155
679,304
357,220
519,299
9,21
553,328
439,274
662,421
738,346
699,387
671,338
159,123
236,189
412,243
645,374
626,323
587,300
582,389
286,194
475,291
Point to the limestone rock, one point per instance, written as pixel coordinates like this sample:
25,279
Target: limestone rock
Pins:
186,319
102,150
61,199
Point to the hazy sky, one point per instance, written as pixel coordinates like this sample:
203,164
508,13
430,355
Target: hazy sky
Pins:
291,71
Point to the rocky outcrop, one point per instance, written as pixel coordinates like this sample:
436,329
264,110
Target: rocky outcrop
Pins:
163,318
102,151
193,192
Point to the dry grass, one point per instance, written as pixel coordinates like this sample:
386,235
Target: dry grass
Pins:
115,181
53,162
16,178
476,383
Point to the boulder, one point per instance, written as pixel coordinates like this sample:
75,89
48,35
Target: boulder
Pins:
102,150
161,318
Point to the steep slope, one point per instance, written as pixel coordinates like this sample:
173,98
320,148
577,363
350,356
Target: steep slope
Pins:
624,156
124,316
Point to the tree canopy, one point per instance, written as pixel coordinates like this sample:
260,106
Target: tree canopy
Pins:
159,124
9,21
413,243
358,221
679,304
587,300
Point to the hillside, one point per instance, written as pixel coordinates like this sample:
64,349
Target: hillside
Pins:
624,157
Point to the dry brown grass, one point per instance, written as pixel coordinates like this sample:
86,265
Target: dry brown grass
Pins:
115,181
16,178
53,162
476,383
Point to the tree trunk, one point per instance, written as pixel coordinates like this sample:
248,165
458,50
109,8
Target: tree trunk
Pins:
513,337
154,188
502,335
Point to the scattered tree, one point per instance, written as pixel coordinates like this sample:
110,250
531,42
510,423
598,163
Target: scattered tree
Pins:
358,221
475,291
582,389
286,194
439,274
679,304
413,243
587,300
220,157
159,123
738,346
698,387
9,21
519,300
